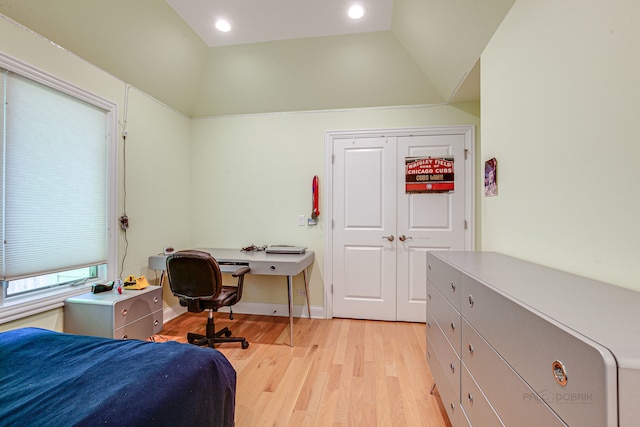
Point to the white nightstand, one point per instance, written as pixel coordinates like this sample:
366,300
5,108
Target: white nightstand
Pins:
130,315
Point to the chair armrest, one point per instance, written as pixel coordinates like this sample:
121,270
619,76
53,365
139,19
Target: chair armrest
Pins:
241,271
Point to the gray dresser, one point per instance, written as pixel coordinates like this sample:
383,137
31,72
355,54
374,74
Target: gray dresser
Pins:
134,314
514,343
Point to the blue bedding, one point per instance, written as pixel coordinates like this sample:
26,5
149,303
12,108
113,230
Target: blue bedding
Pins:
55,379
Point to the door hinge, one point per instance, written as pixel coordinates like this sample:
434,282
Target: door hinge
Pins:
466,153
332,289
465,224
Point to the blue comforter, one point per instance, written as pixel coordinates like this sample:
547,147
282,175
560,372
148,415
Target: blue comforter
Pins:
54,379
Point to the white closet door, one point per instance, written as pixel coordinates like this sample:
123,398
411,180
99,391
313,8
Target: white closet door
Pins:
364,205
381,233
428,221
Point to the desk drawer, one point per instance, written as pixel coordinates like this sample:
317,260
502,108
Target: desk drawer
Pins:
445,278
511,397
531,344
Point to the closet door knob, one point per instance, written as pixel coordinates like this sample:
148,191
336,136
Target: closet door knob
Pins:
389,238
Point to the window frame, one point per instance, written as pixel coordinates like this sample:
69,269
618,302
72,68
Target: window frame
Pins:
36,302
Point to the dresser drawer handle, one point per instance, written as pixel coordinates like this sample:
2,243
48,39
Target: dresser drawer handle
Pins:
124,312
429,325
155,299
470,348
125,337
453,367
453,327
470,300
453,407
453,286
155,323
429,297
470,397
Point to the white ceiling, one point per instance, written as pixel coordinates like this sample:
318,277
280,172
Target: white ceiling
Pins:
259,21
404,52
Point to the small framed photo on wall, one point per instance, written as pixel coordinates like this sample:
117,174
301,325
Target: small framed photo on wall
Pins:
491,177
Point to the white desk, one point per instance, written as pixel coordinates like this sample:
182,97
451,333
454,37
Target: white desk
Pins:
259,262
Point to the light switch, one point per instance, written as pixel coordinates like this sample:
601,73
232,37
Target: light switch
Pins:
300,219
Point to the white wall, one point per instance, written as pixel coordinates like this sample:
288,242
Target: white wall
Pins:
157,146
252,178
226,181
559,111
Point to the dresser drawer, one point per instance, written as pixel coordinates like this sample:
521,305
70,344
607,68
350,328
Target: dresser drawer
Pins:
475,404
509,395
445,278
440,346
449,395
540,350
145,326
446,315
131,309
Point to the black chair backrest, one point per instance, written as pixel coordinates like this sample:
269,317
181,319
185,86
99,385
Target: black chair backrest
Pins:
194,275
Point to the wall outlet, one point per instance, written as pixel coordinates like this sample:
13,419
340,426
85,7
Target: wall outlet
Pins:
124,222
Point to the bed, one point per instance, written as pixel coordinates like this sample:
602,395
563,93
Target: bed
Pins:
57,379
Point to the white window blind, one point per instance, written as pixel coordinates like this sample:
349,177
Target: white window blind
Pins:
54,181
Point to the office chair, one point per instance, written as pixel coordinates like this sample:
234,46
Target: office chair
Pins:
195,278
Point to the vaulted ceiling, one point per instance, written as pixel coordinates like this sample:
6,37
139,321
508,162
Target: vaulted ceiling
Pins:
410,52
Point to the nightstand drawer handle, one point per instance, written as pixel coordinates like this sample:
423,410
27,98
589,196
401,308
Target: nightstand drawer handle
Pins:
155,323
470,397
124,311
470,348
470,300
453,286
155,299
453,327
453,367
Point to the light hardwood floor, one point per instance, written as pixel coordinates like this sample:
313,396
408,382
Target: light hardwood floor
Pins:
341,372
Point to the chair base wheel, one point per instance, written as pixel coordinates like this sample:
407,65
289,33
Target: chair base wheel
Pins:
217,338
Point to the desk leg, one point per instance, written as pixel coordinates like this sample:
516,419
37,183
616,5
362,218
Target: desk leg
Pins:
306,290
290,294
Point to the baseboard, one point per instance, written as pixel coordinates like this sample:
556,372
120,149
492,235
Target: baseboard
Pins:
255,308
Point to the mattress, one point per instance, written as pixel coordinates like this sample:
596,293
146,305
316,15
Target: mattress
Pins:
57,379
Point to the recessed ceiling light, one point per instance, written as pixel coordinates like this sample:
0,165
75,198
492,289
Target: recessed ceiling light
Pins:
223,25
357,11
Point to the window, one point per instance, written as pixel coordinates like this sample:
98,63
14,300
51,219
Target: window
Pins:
57,187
